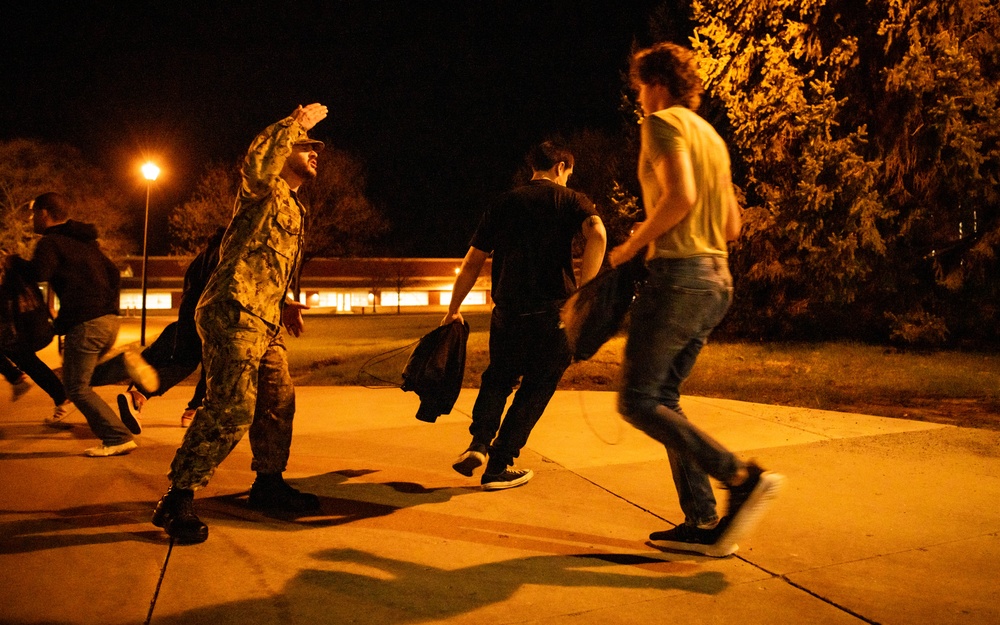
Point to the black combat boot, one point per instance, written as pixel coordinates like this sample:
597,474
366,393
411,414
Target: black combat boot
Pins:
175,514
271,492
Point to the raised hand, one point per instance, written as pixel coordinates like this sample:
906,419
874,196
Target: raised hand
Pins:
310,115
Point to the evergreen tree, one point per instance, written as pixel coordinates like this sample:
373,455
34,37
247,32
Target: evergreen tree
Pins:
864,138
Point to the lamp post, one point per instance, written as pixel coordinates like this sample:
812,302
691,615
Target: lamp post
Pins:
149,171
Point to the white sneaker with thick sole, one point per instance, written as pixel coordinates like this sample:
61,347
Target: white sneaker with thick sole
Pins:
111,450
141,372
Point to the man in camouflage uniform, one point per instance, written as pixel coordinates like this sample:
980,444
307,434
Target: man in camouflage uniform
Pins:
239,319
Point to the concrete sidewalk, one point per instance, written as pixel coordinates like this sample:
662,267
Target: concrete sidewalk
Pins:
882,521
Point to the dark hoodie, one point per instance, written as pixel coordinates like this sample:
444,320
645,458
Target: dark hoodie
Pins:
86,281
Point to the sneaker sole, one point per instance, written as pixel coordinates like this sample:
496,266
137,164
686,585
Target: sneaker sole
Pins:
125,412
511,484
141,372
469,462
753,510
718,550
97,452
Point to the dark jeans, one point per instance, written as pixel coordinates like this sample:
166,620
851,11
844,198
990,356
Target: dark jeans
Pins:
530,347
15,361
675,311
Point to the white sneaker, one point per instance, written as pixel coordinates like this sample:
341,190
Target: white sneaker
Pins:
187,417
130,410
62,411
141,372
110,450
21,387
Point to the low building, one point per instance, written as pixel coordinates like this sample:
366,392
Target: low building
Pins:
328,285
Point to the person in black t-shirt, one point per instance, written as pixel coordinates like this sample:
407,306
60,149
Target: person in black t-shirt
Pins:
529,231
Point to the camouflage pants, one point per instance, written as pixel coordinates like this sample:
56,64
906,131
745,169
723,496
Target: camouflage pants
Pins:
248,388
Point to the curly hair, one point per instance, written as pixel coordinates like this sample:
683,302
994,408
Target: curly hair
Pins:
671,66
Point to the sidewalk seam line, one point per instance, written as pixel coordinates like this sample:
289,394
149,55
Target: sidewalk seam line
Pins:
159,583
736,555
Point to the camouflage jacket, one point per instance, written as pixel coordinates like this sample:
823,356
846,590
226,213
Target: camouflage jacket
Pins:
262,248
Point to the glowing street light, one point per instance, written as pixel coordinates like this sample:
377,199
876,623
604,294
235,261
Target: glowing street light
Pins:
150,172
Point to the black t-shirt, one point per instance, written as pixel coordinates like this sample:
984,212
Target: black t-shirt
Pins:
530,232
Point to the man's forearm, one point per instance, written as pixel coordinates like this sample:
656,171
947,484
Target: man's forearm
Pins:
593,251
463,284
472,264
667,214
266,156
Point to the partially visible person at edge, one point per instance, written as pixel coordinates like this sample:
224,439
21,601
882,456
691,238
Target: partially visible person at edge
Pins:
530,231
691,214
176,352
69,258
20,366
239,319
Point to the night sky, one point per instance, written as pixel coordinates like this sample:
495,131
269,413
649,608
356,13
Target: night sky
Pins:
439,100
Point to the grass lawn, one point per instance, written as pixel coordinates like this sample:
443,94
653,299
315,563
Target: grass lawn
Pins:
960,388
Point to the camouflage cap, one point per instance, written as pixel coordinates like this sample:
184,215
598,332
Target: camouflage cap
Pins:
316,145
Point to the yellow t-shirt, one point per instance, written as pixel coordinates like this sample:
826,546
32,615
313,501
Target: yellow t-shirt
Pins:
702,231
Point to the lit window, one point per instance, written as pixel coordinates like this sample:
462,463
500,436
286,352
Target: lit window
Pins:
359,299
406,298
474,298
155,300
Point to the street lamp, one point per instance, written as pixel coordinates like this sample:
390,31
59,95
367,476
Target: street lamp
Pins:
149,171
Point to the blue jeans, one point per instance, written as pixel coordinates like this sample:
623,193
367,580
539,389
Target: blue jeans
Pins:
85,344
531,348
675,311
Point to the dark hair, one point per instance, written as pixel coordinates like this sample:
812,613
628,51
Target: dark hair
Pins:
671,66
547,155
55,203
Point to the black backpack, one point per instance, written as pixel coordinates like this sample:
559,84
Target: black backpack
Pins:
25,319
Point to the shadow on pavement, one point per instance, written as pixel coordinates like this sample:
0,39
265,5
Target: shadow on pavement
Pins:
373,589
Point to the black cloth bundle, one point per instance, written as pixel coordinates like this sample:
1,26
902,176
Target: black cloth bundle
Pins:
595,312
435,369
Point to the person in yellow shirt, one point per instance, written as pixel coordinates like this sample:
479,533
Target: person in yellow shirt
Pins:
691,214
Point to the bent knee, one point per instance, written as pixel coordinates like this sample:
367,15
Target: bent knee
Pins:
632,406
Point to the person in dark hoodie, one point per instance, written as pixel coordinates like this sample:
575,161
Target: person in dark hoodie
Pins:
69,258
